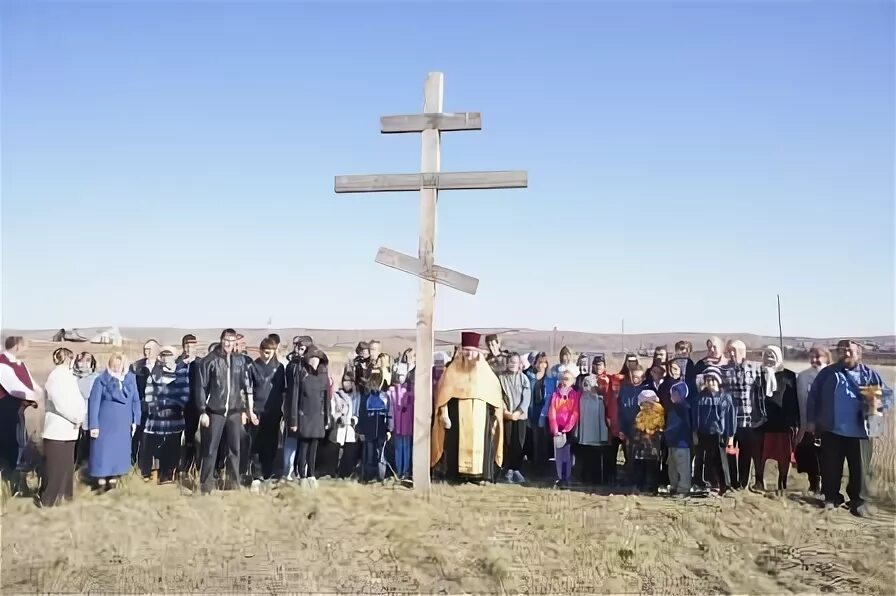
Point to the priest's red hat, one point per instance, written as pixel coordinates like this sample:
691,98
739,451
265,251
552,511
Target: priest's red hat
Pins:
469,339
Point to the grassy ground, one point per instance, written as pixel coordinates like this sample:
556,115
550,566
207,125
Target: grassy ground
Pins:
349,538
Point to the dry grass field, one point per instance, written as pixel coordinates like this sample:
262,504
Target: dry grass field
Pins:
348,538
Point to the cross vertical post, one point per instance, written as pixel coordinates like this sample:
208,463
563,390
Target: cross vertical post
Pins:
430,161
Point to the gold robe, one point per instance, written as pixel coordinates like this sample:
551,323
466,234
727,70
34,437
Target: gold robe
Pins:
475,391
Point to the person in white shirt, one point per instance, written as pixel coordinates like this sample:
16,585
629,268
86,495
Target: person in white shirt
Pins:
65,412
808,451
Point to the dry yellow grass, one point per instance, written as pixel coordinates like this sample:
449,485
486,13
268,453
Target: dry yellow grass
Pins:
376,539
350,538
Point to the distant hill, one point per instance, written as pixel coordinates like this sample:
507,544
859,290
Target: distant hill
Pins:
523,340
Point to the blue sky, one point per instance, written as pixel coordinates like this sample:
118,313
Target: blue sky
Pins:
172,164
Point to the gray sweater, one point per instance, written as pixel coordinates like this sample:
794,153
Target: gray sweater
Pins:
517,392
592,427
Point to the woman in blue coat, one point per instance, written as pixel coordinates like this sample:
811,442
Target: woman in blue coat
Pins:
113,412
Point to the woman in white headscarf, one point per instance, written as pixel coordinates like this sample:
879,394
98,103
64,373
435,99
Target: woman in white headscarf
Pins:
775,402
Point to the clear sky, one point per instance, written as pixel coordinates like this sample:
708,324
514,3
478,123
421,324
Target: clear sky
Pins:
172,164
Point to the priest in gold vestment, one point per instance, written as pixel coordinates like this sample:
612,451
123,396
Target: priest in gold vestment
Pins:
467,428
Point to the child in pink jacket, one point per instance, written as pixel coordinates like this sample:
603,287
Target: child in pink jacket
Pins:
401,400
563,416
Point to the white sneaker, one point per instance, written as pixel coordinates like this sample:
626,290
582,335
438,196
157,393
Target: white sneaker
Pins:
312,481
255,487
518,477
509,477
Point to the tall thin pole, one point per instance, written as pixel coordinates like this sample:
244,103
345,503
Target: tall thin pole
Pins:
430,161
622,337
780,328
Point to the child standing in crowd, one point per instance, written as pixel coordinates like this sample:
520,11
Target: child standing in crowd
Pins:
401,401
714,426
649,423
345,406
678,439
376,427
563,416
517,394
594,434
627,407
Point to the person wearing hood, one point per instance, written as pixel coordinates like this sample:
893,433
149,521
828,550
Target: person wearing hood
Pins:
740,379
401,401
308,409
594,439
846,407
165,401
715,356
267,378
84,369
517,393
583,369
713,419
649,424
65,412
113,412
346,404
678,437
565,364
808,450
776,406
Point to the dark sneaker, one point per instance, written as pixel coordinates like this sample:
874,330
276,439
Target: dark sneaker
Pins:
861,511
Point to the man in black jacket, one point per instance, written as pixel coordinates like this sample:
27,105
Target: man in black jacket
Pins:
266,376
222,405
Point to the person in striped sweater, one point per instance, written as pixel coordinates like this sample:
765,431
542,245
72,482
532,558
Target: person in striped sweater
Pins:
166,397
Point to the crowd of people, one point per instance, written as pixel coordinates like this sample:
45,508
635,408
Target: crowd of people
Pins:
683,427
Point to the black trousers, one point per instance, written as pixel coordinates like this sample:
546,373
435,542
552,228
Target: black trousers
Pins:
715,460
164,449
749,448
137,440
264,444
595,462
834,450
646,472
611,454
307,456
514,440
59,475
327,459
221,430
348,460
82,449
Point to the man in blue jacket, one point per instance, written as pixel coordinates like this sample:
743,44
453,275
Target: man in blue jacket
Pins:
837,411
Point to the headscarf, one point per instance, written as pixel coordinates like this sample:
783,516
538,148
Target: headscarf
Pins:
648,395
771,382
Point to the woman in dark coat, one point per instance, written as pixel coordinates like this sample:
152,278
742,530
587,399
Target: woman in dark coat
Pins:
307,415
776,401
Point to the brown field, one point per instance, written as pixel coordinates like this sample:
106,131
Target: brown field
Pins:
348,538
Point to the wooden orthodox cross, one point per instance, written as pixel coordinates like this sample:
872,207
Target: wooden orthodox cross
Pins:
429,182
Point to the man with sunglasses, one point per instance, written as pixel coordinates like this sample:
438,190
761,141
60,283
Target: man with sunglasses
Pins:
840,411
